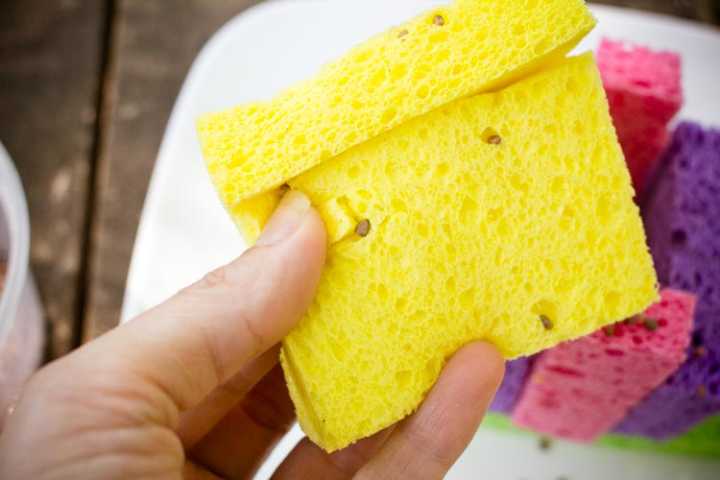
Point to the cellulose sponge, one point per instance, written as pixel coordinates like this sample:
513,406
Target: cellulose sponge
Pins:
506,216
683,221
580,390
448,53
516,373
644,89
542,220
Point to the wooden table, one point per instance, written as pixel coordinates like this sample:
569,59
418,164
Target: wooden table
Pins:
86,87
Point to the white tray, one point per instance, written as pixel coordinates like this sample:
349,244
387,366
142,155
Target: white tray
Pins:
184,231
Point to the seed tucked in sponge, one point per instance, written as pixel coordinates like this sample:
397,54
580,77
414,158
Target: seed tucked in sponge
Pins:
580,390
645,92
451,217
683,221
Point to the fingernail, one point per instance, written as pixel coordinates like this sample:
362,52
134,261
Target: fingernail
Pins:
287,218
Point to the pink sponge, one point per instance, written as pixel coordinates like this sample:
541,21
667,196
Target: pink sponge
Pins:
645,92
582,389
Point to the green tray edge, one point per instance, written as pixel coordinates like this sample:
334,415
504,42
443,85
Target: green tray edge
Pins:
703,440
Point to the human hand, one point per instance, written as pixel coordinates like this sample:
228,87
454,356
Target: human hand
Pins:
192,389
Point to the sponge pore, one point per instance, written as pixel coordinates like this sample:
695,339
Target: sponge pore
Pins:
445,54
579,390
520,195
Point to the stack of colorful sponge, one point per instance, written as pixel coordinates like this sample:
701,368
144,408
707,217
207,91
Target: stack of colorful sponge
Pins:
656,375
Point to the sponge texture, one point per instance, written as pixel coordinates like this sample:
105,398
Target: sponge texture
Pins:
516,373
580,390
506,216
683,221
448,53
645,92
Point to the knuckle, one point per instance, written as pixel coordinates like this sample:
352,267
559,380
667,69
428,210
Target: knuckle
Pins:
254,333
216,278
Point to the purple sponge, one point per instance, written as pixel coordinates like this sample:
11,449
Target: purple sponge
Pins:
516,372
682,218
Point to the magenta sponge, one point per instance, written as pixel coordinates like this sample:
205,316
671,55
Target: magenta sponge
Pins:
582,389
645,92
682,217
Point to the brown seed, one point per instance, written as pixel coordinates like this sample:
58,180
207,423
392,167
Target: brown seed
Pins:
546,322
439,20
700,351
545,443
609,330
494,140
702,391
633,320
402,33
650,324
363,228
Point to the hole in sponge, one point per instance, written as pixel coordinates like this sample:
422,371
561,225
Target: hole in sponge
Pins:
403,378
697,338
468,210
612,300
439,20
678,237
546,312
565,371
491,136
714,388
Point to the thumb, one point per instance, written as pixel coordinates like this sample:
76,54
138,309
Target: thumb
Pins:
186,347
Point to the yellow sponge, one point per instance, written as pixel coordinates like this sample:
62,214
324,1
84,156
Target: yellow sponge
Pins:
505,216
448,53
525,243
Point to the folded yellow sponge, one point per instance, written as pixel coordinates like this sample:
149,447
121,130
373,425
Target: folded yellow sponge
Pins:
505,216
445,54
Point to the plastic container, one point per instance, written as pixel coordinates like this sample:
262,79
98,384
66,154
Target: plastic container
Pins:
22,332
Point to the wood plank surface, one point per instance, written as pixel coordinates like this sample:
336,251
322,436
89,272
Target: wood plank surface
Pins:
50,57
153,45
